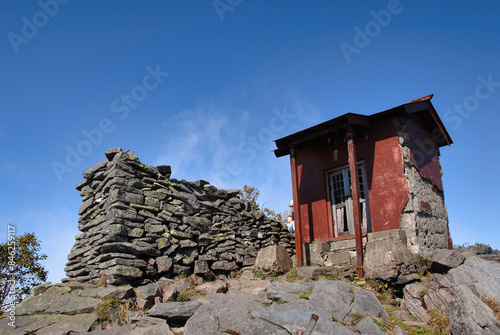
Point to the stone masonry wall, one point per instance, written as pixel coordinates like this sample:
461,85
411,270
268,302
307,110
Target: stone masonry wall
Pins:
137,224
425,218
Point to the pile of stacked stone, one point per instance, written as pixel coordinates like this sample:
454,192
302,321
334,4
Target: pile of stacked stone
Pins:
137,224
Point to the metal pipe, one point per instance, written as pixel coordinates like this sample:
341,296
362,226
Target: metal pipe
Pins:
311,325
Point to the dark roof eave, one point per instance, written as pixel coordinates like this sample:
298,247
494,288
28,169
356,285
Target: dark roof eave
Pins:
284,144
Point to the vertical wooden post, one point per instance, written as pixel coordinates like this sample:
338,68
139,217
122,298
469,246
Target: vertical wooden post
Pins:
351,146
296,209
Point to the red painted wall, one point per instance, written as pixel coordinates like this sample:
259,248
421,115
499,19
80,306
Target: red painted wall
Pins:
378,148
424,151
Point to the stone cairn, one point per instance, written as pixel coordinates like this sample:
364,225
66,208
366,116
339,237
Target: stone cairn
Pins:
138,225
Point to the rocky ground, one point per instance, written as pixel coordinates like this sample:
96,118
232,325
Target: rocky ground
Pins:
457,291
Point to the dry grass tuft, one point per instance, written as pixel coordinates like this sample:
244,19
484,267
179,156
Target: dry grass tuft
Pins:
493,305
438,322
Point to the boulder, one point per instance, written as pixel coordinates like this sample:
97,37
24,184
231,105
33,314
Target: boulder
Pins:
480,274
444,260
367,326
221,313
57,303
145,295
414,294
274,258
314,272
469,315
386,258
175,312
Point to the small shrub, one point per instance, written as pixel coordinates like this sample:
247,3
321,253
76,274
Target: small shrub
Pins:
260,274
182,297
280,302
102,310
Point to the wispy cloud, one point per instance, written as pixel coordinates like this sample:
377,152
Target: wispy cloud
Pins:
229,148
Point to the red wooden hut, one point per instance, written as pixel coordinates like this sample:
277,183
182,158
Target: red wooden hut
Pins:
358,174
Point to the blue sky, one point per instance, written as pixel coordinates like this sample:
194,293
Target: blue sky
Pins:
206,86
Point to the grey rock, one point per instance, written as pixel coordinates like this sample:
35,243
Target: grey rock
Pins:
295,321
71,323
174,311
165,170
314,272
57,303
222,312
224,266
127,247
274,258
138,263
164,264
201,267
345,299
386,258
480,274
126,272
288,291
469,315
444,260
120,292
405,279
90,171
413,295
367,326
110,153
145,295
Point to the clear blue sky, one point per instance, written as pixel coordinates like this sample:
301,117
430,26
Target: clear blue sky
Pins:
199,85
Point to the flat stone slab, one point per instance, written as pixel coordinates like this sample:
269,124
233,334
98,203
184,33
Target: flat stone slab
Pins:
48,324
120,292
174,311
56,303
314,272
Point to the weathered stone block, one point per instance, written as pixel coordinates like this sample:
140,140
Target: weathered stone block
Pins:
274,258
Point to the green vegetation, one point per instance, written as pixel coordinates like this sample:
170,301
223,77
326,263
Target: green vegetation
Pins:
260,275
305,295
292,275
477,245
182,297
20,269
